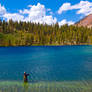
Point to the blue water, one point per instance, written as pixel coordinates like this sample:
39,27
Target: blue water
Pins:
46,63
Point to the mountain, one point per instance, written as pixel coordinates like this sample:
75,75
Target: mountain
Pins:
86,22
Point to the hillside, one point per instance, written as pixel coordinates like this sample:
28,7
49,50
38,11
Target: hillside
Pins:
27,34
86,22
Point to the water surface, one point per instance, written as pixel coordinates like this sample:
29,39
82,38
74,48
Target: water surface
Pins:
46,63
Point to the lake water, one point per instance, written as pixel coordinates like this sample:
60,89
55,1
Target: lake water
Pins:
46,63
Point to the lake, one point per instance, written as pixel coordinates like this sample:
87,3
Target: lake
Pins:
46,63
51,68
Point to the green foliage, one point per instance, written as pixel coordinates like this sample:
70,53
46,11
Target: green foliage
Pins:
25,34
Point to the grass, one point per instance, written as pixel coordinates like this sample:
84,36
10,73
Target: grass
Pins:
65,86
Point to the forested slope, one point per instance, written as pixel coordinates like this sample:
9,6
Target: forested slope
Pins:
25,34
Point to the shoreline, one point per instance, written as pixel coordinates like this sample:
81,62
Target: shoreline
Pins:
47,45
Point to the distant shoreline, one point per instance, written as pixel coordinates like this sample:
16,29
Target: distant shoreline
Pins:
48,45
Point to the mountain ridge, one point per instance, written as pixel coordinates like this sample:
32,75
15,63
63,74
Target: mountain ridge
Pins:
85,22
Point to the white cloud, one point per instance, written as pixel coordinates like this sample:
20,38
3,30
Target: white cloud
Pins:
50,20
64,21
29,5
64,7
51,13
24,12
2,10
37,13
84,7
14,16
34,10
48,9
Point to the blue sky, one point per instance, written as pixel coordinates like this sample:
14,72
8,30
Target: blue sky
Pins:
45,11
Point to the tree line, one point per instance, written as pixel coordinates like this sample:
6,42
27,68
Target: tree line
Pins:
27,34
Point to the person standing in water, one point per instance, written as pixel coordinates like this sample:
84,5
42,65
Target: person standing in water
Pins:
25,77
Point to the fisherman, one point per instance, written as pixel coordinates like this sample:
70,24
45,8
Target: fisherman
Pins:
25,77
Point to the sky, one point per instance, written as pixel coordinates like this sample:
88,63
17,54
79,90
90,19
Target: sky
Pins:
45,11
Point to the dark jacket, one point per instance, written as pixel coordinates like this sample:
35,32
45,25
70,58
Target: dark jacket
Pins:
26,77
